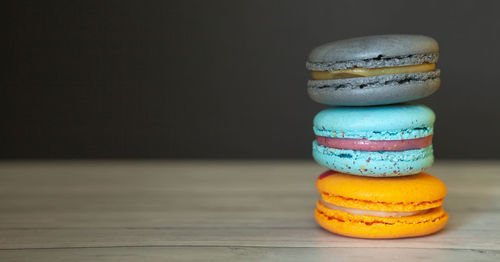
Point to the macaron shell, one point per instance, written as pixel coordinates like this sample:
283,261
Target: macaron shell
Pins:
389,122
380,227
377,90
374,164
408,193
373,51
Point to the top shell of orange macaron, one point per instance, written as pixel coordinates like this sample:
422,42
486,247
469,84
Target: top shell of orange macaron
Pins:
408,193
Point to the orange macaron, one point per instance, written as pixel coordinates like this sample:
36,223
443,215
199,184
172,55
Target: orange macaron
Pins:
368,207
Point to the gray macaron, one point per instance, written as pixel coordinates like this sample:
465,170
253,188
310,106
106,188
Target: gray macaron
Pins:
383,51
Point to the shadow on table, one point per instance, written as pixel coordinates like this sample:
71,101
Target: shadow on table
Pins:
466,208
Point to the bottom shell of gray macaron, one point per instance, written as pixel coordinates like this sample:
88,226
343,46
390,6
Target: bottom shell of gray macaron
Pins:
375,90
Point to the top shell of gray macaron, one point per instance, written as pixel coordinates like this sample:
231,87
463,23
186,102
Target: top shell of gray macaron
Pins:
374,51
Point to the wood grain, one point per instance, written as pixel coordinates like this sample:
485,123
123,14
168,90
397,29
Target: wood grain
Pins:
217,210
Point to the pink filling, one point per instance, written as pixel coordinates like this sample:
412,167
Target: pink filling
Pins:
374,145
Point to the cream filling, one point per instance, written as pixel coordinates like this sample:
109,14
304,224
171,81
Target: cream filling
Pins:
363,72
375,213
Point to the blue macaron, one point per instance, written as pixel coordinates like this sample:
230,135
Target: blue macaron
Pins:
392,140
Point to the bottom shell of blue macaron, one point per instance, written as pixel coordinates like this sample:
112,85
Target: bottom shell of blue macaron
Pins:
380,163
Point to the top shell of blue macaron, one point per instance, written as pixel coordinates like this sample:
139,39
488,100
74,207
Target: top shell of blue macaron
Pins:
392,122
374,51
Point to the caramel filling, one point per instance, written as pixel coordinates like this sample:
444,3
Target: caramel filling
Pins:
363,72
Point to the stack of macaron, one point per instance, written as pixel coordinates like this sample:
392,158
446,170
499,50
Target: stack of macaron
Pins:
375,145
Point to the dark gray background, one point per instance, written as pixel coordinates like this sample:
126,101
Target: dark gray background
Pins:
221,79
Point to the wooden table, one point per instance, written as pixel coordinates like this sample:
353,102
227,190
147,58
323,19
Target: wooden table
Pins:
218,211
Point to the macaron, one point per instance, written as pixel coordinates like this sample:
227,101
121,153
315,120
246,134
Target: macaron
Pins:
368,207
390,140
374,70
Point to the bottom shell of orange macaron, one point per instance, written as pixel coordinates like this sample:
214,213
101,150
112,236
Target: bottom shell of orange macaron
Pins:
362,226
